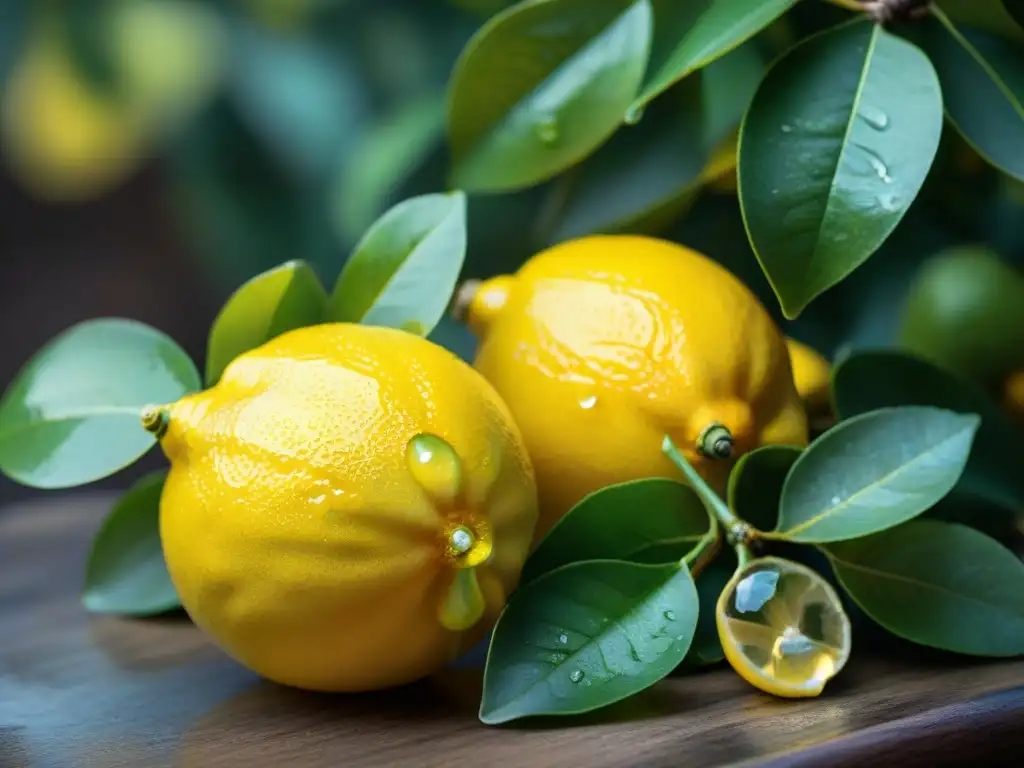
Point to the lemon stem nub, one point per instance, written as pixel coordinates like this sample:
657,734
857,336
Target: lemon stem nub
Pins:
461,540
154,420
715,442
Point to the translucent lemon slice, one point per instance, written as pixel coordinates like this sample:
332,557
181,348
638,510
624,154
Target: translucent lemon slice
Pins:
782,627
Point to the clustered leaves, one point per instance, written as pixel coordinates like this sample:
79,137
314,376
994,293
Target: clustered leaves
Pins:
620,112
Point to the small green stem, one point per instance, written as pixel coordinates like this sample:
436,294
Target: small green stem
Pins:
711,500
718,511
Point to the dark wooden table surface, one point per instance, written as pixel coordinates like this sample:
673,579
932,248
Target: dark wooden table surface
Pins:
78,690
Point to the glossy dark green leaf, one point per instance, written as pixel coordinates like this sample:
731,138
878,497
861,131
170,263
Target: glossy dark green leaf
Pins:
126,573
938,584
655,520
287,297
71,415
585,636
706,648
403,272
542,85
690,35
834,148
873,472
659,164
982,78
755,484
867,380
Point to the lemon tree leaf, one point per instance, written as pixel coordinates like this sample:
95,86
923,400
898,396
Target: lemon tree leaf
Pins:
126,573
540,86
690,35
874,471
982,78
755,484
834,148
659,164
939,584
71,415
586,635
281,299
404,270
871,379
655,520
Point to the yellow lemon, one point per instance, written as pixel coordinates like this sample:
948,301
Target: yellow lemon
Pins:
347,509
603,345
812,375
783,627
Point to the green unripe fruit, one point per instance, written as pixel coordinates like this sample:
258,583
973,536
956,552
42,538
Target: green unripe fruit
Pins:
965,313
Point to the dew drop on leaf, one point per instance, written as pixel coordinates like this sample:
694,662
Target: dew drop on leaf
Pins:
576,675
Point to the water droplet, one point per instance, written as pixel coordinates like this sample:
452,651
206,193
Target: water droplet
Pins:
588,402
317,500
670,615
835,500
840,237
563,639
889,202
463,605
874,117
634,115
576,676
434,464
877,164
547,129
775,191
786,128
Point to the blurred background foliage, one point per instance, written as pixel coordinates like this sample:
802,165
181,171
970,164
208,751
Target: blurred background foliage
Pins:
158,153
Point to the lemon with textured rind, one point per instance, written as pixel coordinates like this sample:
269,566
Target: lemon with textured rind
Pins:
603,345
347,509
812,375
783,627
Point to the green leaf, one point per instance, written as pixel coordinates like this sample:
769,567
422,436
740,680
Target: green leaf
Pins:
585,636
284,298
403,272
690,35
834,148
126,573
938,584
706,648
660,164
873,472
542,85
755,484
71,415
868,380
982,80
654,520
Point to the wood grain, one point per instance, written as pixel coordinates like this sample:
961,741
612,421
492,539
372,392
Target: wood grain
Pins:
79,690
